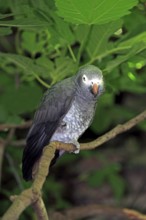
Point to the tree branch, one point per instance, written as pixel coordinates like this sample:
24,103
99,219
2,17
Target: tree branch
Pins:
114,132
33,194
2,149
40,172
97,211
26,124
40,209
108,136
3,144
20,203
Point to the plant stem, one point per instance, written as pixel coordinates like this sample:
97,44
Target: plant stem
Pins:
41,81
114,50
72,53
83,44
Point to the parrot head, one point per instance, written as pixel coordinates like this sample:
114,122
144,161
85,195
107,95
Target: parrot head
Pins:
90,81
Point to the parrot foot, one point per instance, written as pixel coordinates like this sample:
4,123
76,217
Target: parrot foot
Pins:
77,145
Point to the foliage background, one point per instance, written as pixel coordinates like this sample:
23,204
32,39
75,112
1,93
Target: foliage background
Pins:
42,42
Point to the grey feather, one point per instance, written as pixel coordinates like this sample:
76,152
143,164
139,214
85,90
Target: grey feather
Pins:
65,112
53,107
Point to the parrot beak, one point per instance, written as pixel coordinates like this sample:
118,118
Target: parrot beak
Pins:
95,89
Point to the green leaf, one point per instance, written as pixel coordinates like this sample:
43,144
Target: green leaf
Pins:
31,43
64,67
3,114
6,15
96,178
99,123
20,8
5,31
20,100
27,66
5,80
14,119
25,22
118,185
45,62
120,114
81,31
61,68
108,173
98,43
139,47
42,8
64,30
93,11
134,23
133,41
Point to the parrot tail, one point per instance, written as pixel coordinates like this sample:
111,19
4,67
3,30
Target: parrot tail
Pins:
36,140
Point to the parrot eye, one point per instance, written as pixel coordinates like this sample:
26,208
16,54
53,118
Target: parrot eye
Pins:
84,78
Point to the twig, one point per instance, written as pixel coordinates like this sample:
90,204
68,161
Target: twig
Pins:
2,148
84,42
96,211
33,195
26,124
114,132
20,203
132,214
93,144
72,53
14,171
18,143
106,137
40,209
42,82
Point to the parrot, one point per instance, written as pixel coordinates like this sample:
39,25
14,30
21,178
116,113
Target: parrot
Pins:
65,112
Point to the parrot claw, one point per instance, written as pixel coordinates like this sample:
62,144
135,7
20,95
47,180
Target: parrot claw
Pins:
76,151
77,145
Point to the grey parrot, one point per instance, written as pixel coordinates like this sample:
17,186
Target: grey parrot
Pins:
66,111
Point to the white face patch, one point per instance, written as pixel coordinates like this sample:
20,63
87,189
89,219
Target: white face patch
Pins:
90,82
97,81
85,79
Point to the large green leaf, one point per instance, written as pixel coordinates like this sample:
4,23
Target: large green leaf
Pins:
32,43
98,43
118,185
93,11
17,99
20,100
64,68
24,22
100,123
26,64
3,114
63,29
5,15
139,38
5,31
139,47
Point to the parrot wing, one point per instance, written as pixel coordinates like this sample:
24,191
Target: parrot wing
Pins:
54,106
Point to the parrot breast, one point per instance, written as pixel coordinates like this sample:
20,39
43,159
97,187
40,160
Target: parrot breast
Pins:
75,122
